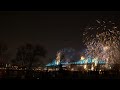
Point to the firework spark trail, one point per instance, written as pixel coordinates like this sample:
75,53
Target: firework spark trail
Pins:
103,41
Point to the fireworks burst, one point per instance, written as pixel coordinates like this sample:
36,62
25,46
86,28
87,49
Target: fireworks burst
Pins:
103,41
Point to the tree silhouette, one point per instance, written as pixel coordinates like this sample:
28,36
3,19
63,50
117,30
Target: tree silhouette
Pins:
27,54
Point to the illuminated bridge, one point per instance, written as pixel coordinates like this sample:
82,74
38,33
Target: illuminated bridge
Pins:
79,62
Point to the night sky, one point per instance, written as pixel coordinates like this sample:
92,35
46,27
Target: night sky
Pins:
52,29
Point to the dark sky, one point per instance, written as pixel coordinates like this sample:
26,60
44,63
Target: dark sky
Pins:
52,29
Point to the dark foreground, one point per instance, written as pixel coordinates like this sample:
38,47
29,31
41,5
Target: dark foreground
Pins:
43,75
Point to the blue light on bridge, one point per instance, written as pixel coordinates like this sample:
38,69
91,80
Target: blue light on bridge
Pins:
80,62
